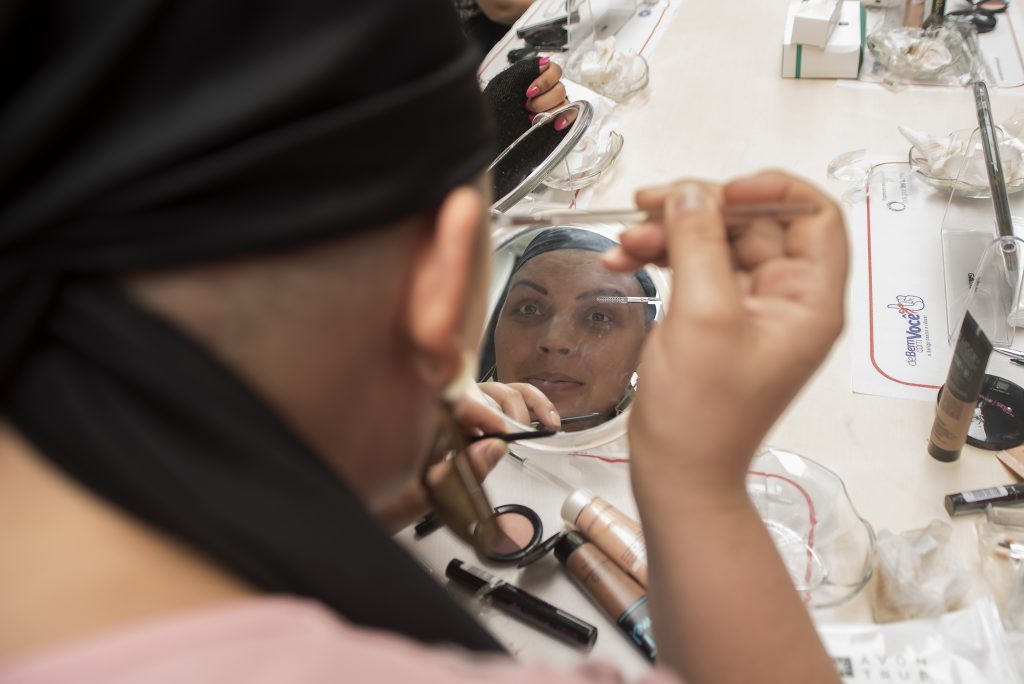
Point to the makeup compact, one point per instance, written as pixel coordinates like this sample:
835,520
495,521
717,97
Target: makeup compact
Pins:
998,419
523,531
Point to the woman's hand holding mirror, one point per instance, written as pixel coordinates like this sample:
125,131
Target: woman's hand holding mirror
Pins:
547,93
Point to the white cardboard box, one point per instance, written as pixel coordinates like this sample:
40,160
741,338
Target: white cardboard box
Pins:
815,20
840,58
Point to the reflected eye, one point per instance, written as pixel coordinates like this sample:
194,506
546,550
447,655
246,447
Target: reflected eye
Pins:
599,317
528,309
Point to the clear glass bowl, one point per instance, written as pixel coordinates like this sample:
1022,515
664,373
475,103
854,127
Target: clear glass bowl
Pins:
826,546
958,139
585,164
617,87
915,53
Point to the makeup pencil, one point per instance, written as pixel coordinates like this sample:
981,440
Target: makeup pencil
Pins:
734,214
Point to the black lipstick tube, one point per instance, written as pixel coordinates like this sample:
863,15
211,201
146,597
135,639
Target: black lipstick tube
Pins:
524,605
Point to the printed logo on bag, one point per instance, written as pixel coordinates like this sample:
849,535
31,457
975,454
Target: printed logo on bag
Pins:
918,337
882,668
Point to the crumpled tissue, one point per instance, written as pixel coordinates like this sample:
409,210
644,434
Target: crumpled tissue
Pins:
917,574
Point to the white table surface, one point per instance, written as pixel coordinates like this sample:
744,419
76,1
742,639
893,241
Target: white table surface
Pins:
717,108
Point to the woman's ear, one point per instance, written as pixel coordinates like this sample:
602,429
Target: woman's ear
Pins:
441,292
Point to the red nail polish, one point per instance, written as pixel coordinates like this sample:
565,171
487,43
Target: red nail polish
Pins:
532,91
531,117
543,61
561,124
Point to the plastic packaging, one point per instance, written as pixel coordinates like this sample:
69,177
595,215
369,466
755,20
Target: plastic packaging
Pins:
851,169
917,574
1001,548
965,647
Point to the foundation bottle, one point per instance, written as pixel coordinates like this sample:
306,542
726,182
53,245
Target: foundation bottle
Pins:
610,530
616,593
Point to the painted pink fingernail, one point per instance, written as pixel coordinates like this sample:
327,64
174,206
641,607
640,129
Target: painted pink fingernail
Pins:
561,124
532,91
531,117
543,61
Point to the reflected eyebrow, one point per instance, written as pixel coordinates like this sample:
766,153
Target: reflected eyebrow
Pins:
530,284
600,292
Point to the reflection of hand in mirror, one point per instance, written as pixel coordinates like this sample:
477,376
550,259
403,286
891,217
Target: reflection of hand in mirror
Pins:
550,332
547,93
522,402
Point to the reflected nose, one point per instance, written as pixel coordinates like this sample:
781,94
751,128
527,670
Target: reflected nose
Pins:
557,338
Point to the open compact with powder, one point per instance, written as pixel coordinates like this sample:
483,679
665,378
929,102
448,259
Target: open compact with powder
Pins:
523,531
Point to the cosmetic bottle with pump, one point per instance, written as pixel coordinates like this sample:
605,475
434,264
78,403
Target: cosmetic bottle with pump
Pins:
610,530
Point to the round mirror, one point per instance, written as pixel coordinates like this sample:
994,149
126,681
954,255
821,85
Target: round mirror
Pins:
561,322
534,155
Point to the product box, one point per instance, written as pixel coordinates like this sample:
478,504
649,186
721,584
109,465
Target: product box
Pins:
815,20
840,58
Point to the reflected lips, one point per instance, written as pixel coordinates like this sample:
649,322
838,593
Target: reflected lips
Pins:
552,383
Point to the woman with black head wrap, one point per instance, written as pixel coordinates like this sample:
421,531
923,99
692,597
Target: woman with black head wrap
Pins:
238,283
151,134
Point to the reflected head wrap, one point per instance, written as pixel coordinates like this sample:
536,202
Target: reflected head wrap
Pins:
141,133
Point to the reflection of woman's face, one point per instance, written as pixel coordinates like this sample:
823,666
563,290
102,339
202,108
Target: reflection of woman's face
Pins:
553,334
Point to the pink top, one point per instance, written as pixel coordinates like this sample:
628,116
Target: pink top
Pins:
273,640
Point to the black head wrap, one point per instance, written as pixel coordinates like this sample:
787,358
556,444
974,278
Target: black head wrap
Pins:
136,133
552,240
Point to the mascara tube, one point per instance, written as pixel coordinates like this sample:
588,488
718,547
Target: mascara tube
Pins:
978,499
523,605
606,584
960,393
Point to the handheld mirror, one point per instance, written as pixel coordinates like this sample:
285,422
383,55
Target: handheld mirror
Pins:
525,163
561,322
